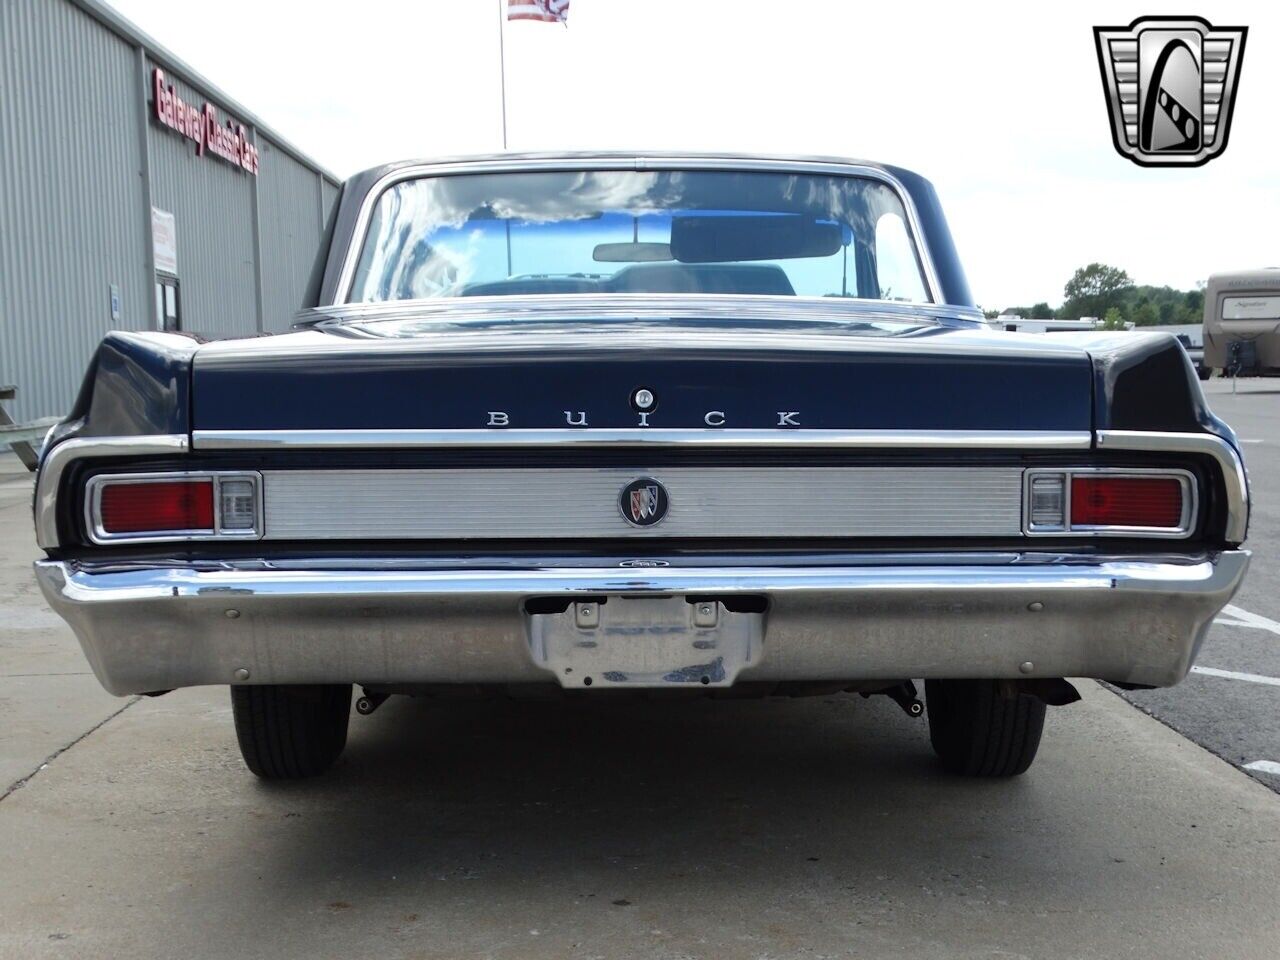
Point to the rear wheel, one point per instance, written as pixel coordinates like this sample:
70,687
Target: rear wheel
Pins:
979,731
290,732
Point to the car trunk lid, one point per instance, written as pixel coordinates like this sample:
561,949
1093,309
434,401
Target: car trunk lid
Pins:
731,374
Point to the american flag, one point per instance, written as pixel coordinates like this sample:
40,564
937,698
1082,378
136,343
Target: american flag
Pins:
548,11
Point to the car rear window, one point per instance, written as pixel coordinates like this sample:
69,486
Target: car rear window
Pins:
626,231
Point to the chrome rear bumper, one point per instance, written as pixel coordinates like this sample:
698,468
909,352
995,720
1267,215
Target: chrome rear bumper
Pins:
1134,620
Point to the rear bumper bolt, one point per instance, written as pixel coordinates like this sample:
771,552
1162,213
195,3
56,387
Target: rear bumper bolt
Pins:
705,614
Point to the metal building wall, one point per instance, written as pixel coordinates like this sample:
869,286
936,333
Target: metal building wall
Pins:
82,161
329,195
289,208
212,203
74,219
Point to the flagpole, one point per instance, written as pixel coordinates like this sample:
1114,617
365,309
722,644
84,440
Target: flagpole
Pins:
502,68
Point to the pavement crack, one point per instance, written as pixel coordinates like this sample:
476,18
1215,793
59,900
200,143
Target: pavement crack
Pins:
55,673
14,787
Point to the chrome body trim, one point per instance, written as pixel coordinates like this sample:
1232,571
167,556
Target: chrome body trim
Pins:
157,626
93,507
56,461
1228,458
346,275
645,437
1186,521
457,311
533,503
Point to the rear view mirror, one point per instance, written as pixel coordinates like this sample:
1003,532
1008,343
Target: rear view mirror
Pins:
631,252
730,239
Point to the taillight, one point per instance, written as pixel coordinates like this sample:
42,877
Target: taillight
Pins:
177,506
1102,501
158,505
1097,501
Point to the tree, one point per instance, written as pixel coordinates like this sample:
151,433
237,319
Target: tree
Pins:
1038,311
1145,315
1114,320
1095,289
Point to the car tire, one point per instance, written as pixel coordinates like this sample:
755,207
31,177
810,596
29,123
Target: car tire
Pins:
977,730
1204,373
291,732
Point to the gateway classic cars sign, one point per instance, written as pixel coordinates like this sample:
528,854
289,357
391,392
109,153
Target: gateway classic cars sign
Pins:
229,141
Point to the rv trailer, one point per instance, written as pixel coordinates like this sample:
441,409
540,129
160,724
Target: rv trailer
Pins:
1242,323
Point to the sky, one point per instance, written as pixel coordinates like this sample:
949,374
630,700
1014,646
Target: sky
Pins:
1000,105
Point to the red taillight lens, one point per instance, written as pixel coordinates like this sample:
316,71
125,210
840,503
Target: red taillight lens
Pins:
157,505
1126,501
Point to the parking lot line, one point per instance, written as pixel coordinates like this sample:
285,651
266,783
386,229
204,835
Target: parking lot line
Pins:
1236,617
1234,675
1264,766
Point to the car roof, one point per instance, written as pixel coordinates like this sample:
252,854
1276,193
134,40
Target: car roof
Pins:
953,288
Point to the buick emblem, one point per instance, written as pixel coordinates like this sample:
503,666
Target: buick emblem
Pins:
1171,86
643,502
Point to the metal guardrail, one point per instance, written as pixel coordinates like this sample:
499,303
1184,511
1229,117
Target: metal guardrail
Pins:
21,436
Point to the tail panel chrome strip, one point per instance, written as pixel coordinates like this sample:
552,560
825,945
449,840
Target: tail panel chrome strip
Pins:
58,458
643,437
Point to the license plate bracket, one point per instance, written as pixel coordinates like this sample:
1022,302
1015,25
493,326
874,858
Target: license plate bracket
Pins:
620,641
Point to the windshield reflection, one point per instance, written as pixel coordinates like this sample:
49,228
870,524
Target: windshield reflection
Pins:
609,232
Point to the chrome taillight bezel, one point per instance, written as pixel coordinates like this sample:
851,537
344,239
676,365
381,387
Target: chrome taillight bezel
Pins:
93,507
1186,522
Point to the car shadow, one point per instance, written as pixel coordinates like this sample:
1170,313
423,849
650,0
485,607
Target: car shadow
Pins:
730,791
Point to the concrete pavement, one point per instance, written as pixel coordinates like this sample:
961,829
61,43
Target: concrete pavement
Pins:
1238,719
749,829
48,697
780,828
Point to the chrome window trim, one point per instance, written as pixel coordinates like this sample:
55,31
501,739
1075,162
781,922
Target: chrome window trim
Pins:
645,437
1186,522
100,536
346,276
625,306
57,459
1235,480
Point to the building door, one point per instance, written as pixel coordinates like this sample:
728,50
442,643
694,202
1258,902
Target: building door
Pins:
168,303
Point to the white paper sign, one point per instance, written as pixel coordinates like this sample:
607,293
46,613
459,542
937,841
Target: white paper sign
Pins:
164,240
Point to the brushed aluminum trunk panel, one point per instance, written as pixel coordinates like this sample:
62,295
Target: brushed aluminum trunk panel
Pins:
507,503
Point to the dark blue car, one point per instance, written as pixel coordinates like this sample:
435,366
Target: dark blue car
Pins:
613,422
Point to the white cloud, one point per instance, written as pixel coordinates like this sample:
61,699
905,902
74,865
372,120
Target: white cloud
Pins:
999,104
